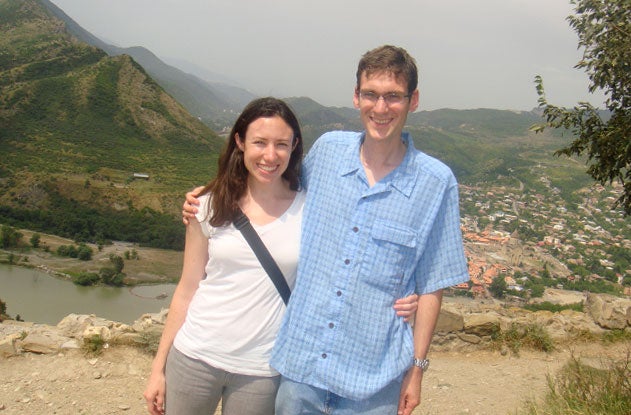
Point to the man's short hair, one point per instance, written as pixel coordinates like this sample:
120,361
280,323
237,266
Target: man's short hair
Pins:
391,59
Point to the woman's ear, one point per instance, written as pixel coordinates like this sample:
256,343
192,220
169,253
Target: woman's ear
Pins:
239,142
296,140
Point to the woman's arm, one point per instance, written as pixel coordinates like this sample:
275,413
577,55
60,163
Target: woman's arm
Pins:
406,307
193,270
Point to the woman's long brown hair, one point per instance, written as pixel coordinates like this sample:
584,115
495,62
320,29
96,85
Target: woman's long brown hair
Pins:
230,183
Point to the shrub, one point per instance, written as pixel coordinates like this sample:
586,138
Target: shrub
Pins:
118,279
67,250
582,389
86,278
149,341
617,335
106,274
93,345
555,308
35,240
84,252
118,262
133,254
532,336
498,287
109,276
9,237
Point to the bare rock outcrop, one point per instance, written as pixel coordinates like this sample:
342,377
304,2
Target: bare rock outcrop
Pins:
18,337
609,312
462,325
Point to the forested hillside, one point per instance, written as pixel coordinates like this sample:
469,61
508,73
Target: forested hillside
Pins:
75,125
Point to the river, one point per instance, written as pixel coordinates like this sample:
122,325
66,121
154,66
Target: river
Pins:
41,298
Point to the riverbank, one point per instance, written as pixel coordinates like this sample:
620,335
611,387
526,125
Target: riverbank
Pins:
152,265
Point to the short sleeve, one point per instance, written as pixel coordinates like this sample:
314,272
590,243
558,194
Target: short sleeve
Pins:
203,215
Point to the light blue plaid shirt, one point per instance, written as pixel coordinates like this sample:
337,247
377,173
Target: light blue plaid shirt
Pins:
362,248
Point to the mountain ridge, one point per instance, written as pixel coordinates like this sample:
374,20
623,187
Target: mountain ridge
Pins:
207,101
77,124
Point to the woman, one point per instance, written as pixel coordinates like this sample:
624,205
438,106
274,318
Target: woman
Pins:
225,311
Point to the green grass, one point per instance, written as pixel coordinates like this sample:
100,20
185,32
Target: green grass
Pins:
555,308
93,345
516,337
586,390
617,336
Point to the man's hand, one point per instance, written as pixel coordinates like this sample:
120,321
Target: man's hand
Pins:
410,391
189,208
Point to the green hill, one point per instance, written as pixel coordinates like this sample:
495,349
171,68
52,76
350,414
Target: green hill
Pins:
75,125
215,104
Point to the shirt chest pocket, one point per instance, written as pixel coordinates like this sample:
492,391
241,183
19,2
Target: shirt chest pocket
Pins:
394,250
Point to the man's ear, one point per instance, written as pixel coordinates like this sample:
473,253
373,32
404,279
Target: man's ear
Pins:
356,97
414,100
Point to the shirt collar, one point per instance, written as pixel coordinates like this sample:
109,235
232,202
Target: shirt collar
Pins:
403,178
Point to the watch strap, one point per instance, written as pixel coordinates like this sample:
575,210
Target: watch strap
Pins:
422,363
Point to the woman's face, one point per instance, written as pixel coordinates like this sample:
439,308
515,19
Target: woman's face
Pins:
267,148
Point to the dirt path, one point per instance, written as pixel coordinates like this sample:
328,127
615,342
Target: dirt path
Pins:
482,383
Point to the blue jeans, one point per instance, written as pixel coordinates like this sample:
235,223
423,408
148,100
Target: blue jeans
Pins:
296,398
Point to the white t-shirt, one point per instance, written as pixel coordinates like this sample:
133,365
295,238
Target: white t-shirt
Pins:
235,314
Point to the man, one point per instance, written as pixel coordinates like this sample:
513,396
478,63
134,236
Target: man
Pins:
381,220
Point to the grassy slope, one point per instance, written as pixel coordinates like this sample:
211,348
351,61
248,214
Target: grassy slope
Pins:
70,112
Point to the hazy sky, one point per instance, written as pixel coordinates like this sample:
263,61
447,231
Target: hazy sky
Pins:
471,53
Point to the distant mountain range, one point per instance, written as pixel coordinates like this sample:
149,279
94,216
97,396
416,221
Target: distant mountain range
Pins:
217,103
214,103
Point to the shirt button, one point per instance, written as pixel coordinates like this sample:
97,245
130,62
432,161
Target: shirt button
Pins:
331,325
355,229
324,355
347,261
339,293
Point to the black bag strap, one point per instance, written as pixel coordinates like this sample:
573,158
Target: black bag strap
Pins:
242,223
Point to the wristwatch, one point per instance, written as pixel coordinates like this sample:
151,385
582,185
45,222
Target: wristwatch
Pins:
422,363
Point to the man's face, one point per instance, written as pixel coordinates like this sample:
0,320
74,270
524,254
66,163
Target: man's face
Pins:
383,104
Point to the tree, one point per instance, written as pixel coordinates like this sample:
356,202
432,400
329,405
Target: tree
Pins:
86,278
498,287
35,240
9,237
84,252
118,262
604,32
113,276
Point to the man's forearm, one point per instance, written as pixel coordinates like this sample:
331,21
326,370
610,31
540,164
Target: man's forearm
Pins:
425,322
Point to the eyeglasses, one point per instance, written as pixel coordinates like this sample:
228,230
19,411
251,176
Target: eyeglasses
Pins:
391,98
